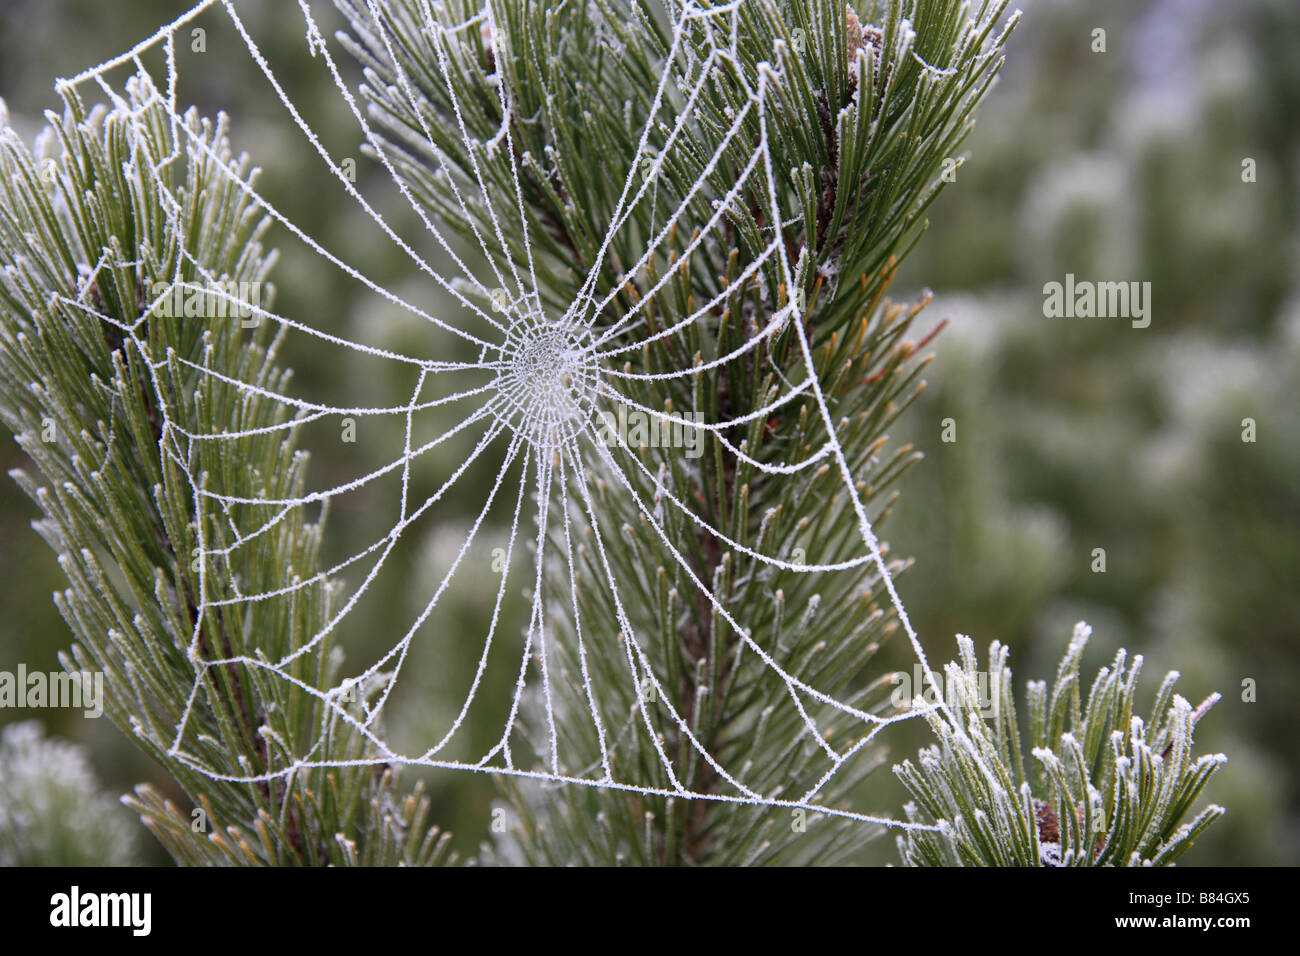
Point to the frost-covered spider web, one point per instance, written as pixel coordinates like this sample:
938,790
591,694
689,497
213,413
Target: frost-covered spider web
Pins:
517,394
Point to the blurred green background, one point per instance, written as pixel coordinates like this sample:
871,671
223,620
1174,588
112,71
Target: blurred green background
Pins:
1071,434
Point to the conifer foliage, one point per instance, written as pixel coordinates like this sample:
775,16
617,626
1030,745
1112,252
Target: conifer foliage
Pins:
691,212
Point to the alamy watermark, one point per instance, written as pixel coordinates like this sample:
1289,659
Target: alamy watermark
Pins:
74,909
216,300
633,428
1100,300
82,690
913,685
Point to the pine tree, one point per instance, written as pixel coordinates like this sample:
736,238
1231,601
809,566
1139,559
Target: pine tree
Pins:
694,575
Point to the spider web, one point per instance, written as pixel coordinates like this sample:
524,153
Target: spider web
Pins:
528,401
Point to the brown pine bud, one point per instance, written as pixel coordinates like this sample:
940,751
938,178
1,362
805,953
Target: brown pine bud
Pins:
858,36
1049,827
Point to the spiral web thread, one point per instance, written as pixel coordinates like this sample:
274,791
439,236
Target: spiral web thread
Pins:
546,373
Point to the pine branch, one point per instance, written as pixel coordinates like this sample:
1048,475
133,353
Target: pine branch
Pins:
861,160
1105,788
97,231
